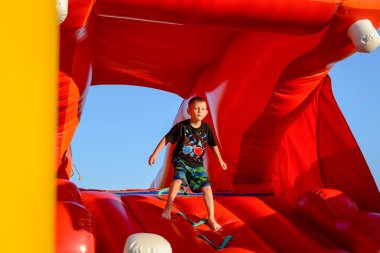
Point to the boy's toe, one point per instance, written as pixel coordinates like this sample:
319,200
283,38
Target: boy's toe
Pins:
215,225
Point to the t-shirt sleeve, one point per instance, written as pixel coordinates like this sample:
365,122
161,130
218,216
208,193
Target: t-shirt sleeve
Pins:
210,137
173,135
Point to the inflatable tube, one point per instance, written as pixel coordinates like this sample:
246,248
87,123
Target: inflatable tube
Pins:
280,15
74,224
68,191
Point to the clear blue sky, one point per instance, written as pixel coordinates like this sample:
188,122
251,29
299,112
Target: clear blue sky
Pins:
121,125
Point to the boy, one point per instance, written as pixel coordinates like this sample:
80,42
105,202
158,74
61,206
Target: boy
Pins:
191,136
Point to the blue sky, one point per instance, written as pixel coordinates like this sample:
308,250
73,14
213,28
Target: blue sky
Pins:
121,125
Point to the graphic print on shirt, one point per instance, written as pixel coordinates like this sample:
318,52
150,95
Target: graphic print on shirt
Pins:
194,145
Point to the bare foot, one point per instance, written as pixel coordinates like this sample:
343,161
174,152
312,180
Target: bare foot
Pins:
214,225
166,214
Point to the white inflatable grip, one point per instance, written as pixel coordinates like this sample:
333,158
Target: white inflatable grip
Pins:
147,243
364,36
62,10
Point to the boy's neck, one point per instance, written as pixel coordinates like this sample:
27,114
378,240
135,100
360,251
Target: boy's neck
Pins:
195,123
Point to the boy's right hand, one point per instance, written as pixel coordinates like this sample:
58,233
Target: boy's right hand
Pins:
152,159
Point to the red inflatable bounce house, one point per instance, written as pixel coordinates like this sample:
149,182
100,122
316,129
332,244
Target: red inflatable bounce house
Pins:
297,180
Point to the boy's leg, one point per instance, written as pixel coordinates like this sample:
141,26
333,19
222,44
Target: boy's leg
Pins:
173,190
209,202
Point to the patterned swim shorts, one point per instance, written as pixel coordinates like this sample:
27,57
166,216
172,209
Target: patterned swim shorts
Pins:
194,177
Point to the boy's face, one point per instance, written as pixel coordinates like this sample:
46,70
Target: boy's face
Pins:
197,111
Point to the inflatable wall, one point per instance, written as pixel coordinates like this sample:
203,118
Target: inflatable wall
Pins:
297,180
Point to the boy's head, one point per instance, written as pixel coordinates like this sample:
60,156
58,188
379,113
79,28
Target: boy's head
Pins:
197,108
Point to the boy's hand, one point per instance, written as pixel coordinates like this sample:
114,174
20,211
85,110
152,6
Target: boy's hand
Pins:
152,159
223,164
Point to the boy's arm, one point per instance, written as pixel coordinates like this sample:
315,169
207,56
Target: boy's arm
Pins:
215,150
160,146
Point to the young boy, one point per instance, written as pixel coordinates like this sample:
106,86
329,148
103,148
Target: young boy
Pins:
191,137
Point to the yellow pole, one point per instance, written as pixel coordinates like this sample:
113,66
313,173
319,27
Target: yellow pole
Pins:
28,70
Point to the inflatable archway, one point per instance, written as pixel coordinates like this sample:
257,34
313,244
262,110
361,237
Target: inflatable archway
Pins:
297,181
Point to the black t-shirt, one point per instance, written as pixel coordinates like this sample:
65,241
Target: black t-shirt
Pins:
191,142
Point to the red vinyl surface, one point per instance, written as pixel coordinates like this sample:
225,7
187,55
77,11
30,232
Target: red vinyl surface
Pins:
322,220
73,228
263,63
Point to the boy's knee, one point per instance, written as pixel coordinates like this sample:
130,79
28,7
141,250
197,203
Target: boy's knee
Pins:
207,189
177,181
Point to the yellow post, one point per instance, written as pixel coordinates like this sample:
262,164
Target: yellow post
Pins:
28,73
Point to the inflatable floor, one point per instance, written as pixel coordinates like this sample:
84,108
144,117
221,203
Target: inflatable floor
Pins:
297,180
